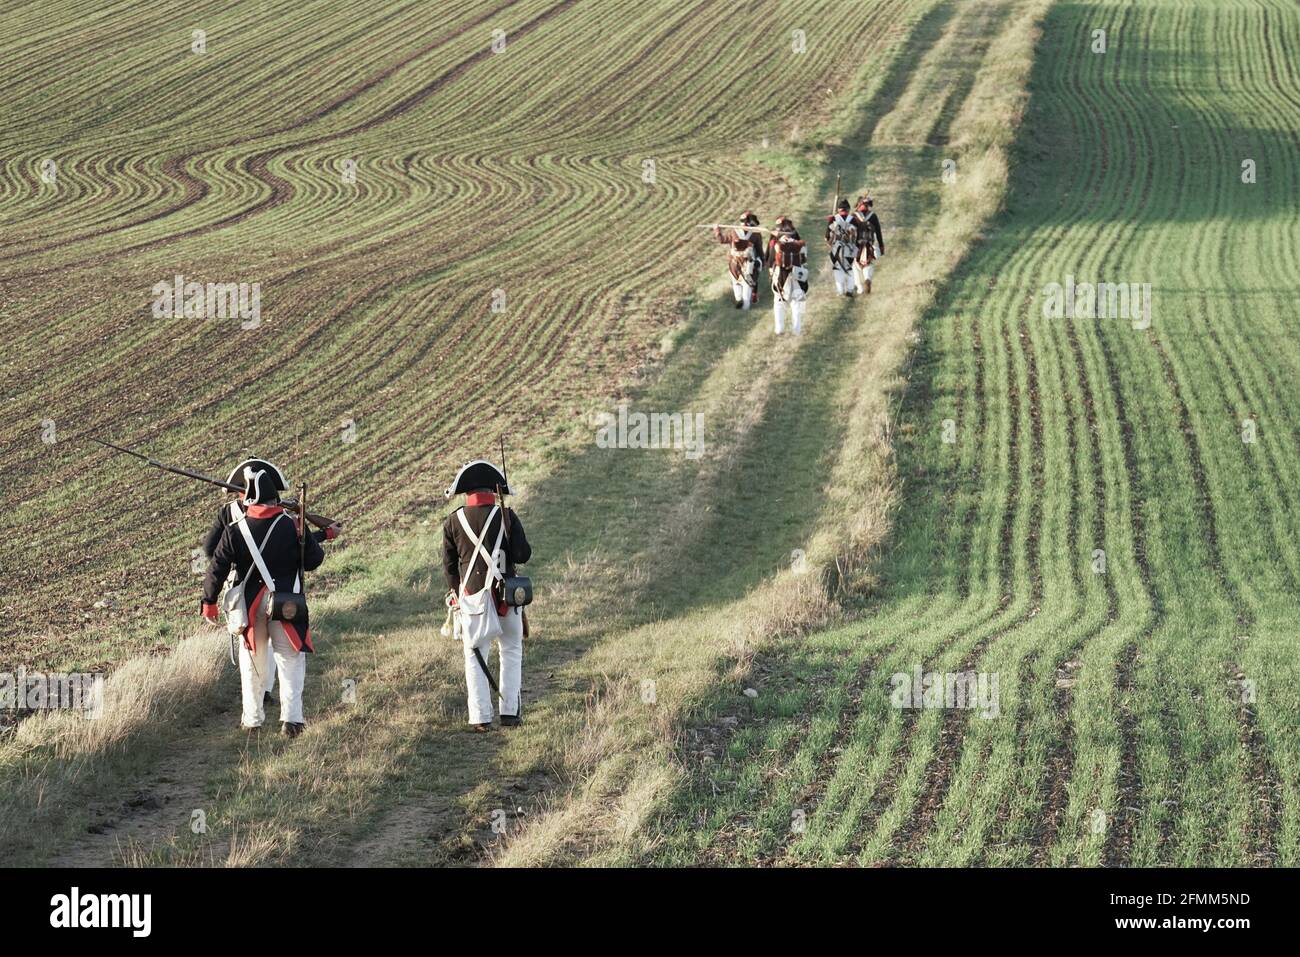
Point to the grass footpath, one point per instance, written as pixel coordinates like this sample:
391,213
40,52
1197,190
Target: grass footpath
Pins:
808,467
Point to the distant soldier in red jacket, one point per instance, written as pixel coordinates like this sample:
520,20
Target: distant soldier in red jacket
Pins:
842,247
787,262
744,260
871,244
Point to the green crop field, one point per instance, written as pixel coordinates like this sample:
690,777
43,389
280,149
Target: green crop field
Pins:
1086,520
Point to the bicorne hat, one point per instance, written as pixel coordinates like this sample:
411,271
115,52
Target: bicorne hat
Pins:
259,478
478,475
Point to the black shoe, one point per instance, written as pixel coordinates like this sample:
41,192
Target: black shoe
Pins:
738,303
267,699
511,721
485,726
291,729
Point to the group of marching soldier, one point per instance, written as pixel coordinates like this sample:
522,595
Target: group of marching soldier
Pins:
853,243
259,553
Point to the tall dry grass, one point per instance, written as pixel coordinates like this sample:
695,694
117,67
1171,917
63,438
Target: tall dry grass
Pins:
137,696
53,761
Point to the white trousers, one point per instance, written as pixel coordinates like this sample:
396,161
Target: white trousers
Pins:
743,292
842,259
511,650
863,274
273,652
796,315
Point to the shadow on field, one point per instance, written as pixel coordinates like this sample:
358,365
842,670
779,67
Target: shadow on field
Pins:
1110,83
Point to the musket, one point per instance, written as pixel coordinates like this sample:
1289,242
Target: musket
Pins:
505,520
501,495
318,520
302,542
752,229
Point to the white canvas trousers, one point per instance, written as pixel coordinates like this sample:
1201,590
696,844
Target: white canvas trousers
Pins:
863,274
842,261
742,291
511,649
273,653
797,307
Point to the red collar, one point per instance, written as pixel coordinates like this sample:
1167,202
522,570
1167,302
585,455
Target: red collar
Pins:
263,511
480,498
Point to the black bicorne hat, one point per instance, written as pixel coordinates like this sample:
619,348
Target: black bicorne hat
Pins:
842,204
261,480
749,218
258,465
477,475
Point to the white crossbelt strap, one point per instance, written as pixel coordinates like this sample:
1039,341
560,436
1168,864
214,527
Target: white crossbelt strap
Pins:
256,552
492,571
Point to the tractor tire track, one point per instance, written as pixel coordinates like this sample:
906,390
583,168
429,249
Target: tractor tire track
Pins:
196,189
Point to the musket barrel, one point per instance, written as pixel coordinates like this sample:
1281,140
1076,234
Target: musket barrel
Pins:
318,520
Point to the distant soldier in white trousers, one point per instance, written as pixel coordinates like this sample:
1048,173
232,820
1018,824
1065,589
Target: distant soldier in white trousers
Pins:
871,244
744,258
787,263
842,247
